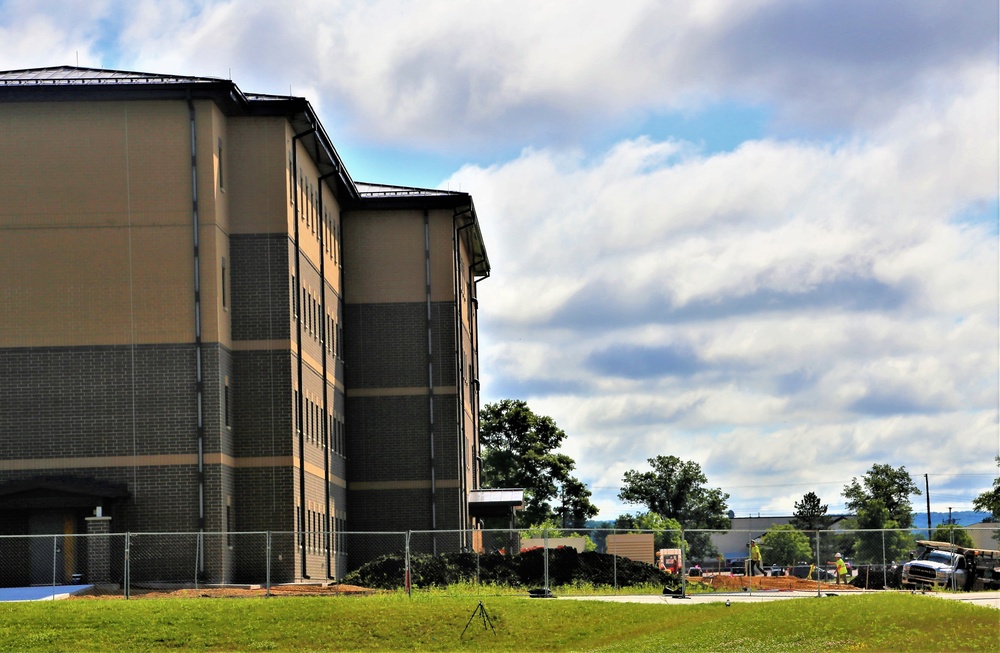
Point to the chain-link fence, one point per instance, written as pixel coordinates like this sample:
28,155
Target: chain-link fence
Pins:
587,561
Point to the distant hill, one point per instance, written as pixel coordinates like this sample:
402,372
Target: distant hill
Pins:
961,517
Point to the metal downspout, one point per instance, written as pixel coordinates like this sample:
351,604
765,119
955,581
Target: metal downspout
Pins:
300,408
430,368
463,511
323,337
199,380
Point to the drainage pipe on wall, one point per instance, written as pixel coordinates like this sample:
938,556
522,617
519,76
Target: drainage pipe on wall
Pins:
430,369
324,337
300,407
460,365
199,380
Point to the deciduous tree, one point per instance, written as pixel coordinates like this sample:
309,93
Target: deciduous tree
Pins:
675,489
953,534
886,487
989,501
785,545
518,449
666,531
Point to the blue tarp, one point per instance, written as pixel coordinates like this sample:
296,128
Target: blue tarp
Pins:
40,593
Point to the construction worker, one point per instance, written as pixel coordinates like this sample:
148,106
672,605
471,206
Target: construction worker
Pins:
838,561
755,558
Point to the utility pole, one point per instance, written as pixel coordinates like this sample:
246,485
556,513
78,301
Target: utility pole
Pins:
927,491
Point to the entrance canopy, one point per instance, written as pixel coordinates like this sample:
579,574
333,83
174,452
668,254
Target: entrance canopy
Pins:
60,492
495,503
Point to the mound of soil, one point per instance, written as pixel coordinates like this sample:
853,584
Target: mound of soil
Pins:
294,589
727,583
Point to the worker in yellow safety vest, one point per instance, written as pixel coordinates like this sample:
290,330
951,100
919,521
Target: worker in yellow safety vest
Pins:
841,568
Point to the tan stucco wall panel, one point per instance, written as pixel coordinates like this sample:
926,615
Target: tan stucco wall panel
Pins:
80,287
258,175
384,254
51,166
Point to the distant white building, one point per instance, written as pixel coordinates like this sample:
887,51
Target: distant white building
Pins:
734,542
984,534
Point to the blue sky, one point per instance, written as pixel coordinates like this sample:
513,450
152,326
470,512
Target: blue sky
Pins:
757,234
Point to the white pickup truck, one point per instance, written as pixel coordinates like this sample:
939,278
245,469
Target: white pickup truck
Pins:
948,566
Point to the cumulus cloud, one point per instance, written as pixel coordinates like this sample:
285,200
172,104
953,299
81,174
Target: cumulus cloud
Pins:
789,298
442,75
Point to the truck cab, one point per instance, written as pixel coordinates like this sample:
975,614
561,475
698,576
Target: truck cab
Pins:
936,568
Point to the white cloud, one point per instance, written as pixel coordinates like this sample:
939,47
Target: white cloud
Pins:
445,75
836,311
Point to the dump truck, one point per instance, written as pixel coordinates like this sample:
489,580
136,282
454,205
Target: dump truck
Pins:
670,560
948,566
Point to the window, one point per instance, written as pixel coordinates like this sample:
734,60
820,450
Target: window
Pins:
295,298
227,412
225,304
221,184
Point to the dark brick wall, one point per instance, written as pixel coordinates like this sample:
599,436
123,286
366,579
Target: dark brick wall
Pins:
260,283
82,401
262,411
265,498
387,344
93,402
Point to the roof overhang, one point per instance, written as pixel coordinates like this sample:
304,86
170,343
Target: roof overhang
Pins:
495,503
60,492
74,84
386,197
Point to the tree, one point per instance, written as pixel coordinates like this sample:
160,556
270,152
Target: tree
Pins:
575,508
989,501
882,548
551,529
518,449
953,534
676,489
785,545
886,487
810,514
666,531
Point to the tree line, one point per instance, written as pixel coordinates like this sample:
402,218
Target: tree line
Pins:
519,450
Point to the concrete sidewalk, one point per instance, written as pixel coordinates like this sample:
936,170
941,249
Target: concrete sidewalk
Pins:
987,599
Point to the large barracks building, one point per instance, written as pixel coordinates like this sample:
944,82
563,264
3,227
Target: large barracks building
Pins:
206,325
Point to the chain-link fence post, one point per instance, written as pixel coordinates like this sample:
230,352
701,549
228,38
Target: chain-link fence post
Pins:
614,559
55,558
127,565
406,564
545,550
885,561
816,567
954,559
267,565
683,567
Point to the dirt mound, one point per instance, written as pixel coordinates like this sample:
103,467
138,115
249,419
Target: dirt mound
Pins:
727,583
234,592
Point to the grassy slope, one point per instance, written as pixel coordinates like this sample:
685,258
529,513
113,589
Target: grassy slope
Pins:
899,622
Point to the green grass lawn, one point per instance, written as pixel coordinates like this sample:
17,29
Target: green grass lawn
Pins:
434,622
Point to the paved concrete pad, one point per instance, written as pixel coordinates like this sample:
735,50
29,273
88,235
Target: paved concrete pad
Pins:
987,599
40,592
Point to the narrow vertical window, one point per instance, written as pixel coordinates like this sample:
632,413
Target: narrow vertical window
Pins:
226,405
225,303
221,180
